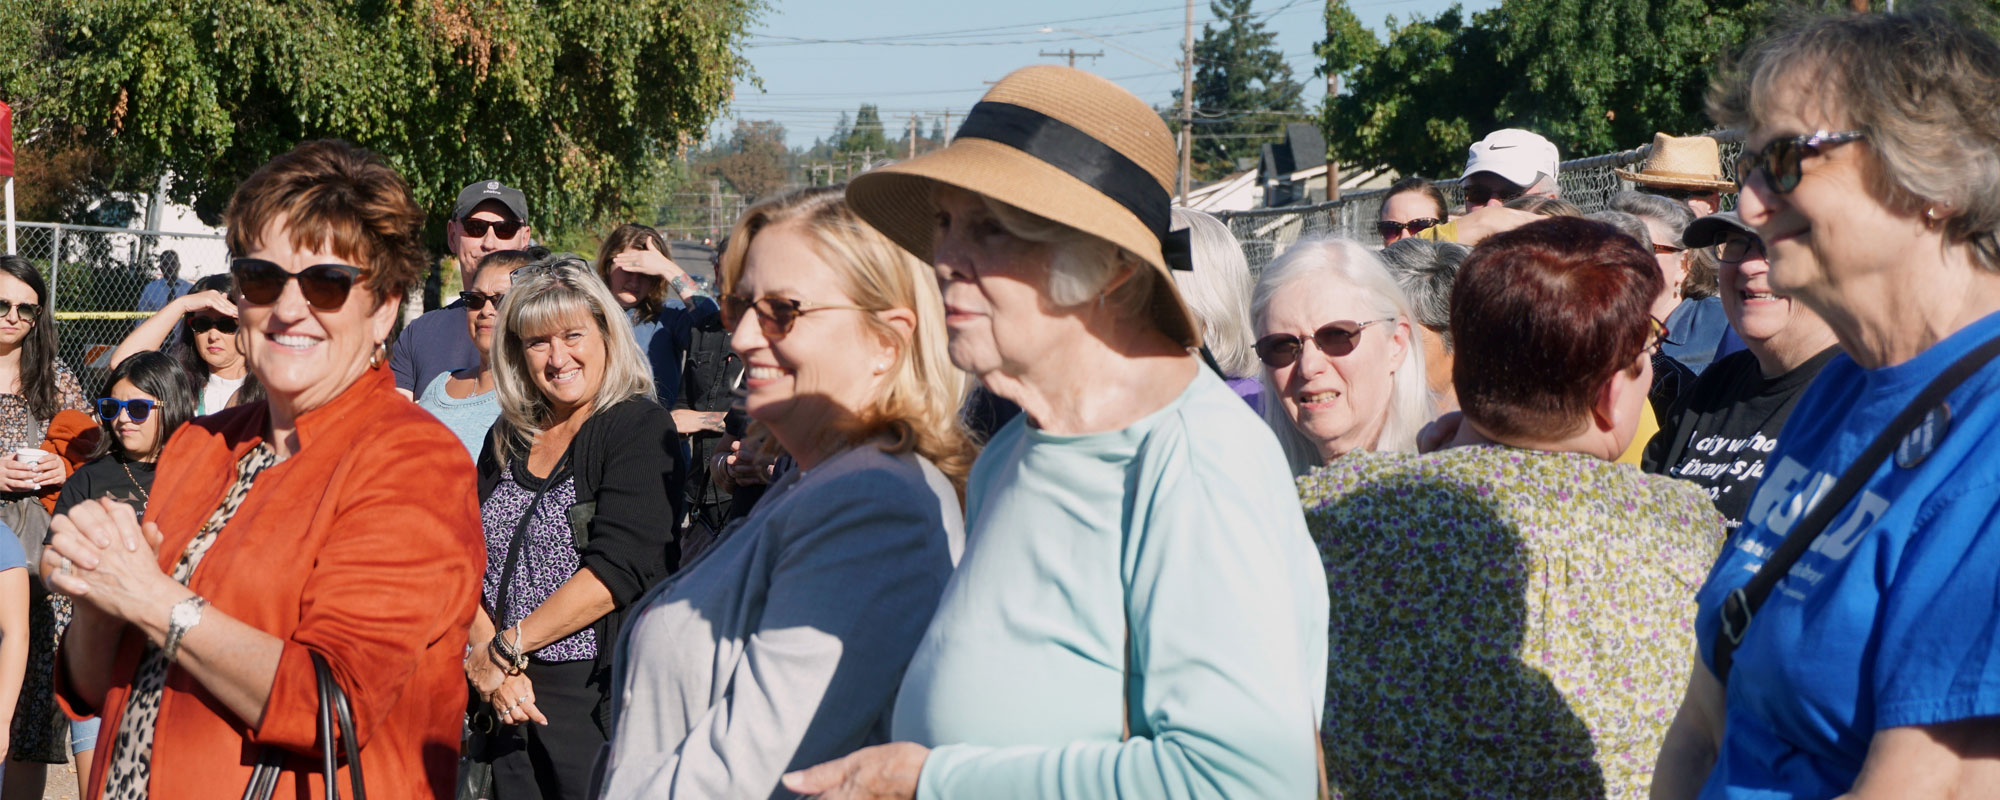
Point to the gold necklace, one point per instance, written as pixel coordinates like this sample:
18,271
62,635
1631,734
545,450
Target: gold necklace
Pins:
144,496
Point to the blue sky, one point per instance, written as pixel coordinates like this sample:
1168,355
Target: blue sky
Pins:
926,57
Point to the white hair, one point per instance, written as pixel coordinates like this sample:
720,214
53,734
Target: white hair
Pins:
1347,263
1217,290
1081,266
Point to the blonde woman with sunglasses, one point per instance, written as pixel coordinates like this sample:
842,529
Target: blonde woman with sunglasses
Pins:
783,645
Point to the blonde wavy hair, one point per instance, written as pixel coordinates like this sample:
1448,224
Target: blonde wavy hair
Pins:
918,409
548,295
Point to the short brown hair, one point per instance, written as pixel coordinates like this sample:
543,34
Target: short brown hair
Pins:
334,194
1542,316
1925,89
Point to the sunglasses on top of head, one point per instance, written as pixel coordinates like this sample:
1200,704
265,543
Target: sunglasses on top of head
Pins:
1388,228
202,323
325,286
138,409
476,228
775,315
1780,159
1335,339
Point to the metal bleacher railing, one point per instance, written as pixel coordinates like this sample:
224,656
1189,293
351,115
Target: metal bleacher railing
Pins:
1587,182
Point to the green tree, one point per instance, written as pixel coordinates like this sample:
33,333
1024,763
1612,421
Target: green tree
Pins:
1242,88
581,103
1593,76
866,134
753,161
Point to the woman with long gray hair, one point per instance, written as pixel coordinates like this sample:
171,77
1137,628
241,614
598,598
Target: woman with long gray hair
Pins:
1341,360
579,487
1217,290
1425,269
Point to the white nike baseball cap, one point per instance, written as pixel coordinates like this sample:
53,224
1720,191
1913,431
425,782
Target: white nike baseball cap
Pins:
1514,154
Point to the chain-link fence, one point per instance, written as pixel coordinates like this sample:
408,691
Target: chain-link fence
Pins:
1587,182
105,280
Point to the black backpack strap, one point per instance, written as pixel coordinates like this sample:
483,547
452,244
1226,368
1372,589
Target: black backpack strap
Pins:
1742,604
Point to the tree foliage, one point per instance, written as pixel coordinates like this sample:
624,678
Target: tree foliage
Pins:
754,162
581,103
1242,87
1592,75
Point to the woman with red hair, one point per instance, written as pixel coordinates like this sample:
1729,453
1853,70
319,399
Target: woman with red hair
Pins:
1515,609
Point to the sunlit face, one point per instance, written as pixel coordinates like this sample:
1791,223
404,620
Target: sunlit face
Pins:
828,361
471,249
140,440
1673,266
994,285
630,287
1406,206
1833,233
302,355
220,351
1340,402
566,364
1755,312
481,323
15,324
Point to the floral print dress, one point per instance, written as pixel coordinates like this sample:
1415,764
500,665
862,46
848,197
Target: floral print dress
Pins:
1506,623
40,732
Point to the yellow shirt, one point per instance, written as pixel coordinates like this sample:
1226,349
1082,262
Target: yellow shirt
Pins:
1648,425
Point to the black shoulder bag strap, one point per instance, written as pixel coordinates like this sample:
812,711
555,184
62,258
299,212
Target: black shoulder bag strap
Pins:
1741,605
336,737
515,544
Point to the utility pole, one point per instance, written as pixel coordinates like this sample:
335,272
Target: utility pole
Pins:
1072,55
948,132
1187,103
913,136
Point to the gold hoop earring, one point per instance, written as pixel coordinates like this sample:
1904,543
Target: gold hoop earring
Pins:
379,356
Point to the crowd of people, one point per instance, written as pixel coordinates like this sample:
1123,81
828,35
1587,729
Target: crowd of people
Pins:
988,449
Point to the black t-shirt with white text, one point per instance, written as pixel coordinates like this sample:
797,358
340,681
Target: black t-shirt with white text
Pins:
1721,430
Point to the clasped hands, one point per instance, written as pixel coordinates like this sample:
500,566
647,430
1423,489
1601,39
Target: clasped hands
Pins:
512,696
20,476
100,554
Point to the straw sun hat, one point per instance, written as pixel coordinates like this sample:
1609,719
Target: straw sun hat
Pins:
1061,144
1682,162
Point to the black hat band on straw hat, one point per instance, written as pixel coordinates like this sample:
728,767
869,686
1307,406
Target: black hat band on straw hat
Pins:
1083,157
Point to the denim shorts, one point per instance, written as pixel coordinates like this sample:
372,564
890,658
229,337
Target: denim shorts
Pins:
82,735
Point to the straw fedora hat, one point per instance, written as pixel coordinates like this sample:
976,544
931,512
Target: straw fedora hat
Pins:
1682,162
1061,144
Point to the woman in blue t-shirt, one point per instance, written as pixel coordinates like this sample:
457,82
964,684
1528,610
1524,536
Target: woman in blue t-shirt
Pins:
1873,670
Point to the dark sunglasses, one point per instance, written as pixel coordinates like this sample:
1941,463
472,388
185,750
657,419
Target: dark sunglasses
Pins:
1779,160
775,315
325,286
29,311
1737,248
476,228
1480,195
478,300
137,408
1389,229
1335,339
203,324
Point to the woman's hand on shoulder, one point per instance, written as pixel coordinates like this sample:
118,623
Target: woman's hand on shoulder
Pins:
883,772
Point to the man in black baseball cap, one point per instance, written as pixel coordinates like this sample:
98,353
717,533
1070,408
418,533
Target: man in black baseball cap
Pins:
489,216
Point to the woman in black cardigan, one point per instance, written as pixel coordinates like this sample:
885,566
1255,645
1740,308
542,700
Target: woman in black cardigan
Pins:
578,494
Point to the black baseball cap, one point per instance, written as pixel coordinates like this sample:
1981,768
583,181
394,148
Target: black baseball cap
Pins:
471,196
1710,229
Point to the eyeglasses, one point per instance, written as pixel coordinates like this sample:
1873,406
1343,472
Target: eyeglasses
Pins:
325,286
1390,229
1779,160
1479,195
478,300
1657,336
1335,339
202,324
476,228
138,409
1736,249
1667,249
29,311
775,315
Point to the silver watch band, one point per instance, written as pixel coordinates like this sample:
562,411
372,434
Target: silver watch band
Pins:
182,618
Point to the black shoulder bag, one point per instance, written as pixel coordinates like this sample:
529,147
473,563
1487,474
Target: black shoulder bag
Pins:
1741,605
334,714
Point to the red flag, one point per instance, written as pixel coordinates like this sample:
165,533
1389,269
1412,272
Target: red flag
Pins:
6,141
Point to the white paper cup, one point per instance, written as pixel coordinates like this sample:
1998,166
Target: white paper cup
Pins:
30,455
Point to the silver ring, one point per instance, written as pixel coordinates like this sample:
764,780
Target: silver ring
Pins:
65,569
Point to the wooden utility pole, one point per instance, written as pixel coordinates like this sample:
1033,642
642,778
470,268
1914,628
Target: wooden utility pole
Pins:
913,136
1072,55
948,132
1187,103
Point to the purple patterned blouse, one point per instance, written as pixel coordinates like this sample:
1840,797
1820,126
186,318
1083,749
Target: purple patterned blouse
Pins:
547,559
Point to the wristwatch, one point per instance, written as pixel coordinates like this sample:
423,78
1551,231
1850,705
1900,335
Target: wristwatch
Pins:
185,615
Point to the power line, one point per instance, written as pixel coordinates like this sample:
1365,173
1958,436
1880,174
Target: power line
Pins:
957,38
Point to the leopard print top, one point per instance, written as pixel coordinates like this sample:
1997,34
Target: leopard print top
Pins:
131,768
